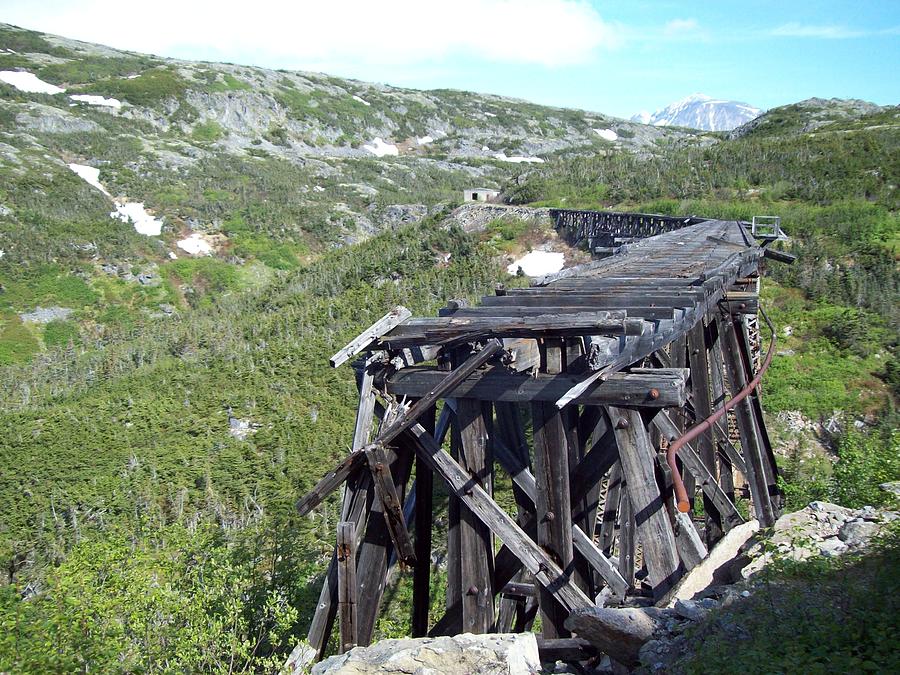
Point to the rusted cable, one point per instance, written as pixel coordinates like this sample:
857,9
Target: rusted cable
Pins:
684,504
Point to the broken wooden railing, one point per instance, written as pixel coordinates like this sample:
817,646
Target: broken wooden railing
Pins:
602,367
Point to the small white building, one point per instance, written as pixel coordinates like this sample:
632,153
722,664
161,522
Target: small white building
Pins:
481,195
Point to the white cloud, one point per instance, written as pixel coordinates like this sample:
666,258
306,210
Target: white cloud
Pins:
681,27
306,34
829,32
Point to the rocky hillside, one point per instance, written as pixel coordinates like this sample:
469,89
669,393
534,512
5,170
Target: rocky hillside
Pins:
136,185
819,114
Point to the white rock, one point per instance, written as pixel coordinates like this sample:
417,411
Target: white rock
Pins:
857,532
466,654
832,547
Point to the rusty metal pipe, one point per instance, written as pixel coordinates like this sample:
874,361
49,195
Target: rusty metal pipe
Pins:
684,504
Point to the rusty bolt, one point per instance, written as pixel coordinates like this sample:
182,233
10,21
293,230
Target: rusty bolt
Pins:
621,423
379,466
550,516
473,590
654,393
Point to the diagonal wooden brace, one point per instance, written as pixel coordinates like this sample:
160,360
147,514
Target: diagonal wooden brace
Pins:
538,562
386,491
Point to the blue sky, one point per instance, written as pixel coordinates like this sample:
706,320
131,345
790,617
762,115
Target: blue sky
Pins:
616,58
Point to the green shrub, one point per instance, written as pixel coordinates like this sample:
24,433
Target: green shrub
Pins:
207,132
60,333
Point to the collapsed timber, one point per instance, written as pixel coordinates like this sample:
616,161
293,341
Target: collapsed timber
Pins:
608,364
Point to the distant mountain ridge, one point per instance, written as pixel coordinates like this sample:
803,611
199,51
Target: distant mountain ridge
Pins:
699,111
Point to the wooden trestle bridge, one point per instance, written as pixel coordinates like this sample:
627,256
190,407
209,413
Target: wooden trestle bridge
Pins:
575,387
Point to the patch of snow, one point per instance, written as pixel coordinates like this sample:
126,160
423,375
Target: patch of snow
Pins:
172,255
132,77
195,245
607,134
538,263
28,82
318,188
361,100
2,253
490,114
135,213
96,100
380,149
90,175
485,148
517,159
424,140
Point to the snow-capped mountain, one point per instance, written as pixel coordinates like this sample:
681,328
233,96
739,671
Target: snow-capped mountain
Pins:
699,111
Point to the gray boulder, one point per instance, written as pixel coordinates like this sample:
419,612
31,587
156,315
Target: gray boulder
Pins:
466,654
857,532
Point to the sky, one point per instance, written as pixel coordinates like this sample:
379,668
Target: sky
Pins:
612,57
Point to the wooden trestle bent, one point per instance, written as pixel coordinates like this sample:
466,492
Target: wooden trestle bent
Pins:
602,366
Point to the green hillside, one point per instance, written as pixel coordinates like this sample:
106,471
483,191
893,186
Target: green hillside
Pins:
161,414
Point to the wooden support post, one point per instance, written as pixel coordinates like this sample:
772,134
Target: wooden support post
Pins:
702,409
553,508
655,530
678,356
346,573
475,542
717,387
770,468
424,512
750,445
355,500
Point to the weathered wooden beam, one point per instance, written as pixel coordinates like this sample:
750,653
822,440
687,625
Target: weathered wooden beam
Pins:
750,443
657,388
372,333
691,548
346,572
424,514
454,329
538,562
517,588
386,492
476,545
696,347
657,538
565,649
553,506
727,453
626,544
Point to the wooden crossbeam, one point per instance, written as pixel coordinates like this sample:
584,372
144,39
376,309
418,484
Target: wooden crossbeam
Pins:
656,388
453,329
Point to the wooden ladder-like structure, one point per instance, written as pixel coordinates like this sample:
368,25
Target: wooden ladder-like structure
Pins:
574,387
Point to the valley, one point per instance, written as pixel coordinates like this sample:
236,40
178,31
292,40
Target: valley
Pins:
184,244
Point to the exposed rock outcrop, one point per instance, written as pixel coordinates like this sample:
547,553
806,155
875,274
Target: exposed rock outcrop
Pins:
466,654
